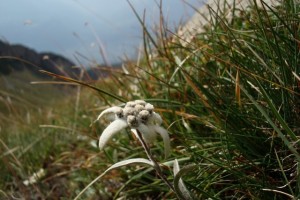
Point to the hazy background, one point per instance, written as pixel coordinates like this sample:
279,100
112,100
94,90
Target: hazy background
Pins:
76,27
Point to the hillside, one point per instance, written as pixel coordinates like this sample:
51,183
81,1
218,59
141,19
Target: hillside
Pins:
16,57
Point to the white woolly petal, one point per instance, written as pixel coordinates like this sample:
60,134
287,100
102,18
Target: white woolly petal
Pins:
114,127
155,119
112,110
148,133
165,135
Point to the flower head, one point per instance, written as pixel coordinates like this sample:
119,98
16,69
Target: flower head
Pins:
137,115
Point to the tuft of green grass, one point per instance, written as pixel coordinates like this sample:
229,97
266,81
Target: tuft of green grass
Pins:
230,96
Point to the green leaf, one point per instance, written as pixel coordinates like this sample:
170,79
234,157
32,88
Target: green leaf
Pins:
271,122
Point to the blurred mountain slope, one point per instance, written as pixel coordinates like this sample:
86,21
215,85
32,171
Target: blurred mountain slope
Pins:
16,57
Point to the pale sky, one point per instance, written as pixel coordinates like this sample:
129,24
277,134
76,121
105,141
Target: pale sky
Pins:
70,26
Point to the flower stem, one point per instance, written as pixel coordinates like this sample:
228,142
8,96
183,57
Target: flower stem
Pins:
156,165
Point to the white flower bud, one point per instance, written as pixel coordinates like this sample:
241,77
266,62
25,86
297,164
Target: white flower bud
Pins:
138,108
130,104
140,102
144,113
119,113
128,111
143,116
149,107
132,121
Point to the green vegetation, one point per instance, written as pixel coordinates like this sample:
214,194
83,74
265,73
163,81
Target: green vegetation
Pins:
230,100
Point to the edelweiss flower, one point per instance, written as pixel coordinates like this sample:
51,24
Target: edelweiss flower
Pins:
137,115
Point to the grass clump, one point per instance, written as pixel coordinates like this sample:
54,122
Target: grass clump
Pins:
231,97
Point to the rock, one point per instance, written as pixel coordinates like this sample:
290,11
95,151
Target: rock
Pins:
202,17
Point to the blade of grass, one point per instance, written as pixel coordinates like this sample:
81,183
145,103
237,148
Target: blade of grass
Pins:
84,84
267,117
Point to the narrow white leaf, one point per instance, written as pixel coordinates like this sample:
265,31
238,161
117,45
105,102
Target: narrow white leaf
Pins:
114,166
112,129
176,167
179,185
